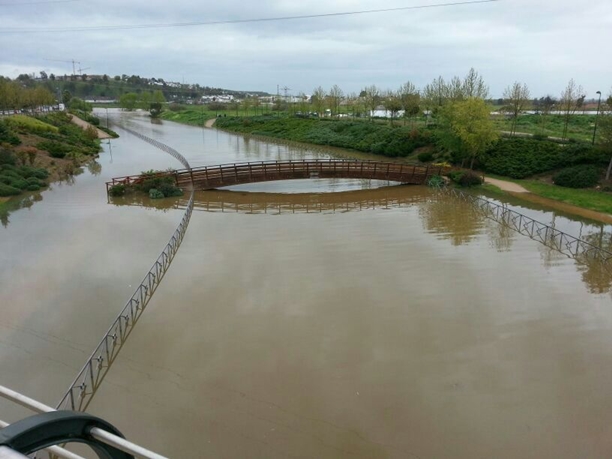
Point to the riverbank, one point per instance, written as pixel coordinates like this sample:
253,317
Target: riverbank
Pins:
85,125
35,152
523,157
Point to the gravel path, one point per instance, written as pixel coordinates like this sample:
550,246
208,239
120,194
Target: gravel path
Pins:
506,186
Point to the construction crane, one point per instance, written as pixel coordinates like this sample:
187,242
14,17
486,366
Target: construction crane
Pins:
70,61
81,70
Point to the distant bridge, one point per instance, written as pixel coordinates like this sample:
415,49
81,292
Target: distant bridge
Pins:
211,177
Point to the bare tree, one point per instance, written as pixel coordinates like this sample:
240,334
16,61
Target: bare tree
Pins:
569,103
409,97
455,89
474,85
335,97
371,95
517,98
392,105
318,100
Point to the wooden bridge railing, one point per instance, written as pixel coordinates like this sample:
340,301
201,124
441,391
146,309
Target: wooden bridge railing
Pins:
208,177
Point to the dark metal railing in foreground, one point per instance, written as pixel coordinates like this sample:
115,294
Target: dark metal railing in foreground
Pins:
87,382
551,237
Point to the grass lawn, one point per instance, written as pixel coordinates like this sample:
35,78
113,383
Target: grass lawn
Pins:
588,199
580,127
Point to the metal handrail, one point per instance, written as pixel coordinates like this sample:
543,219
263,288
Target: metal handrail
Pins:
560,241
90,377
171,151
97,433
316,164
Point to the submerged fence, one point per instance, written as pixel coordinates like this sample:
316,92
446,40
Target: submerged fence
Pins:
87,382
161,146
545,234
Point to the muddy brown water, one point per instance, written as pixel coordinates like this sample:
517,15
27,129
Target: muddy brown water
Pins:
367,323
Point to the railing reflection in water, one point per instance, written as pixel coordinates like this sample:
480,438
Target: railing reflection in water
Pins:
551,237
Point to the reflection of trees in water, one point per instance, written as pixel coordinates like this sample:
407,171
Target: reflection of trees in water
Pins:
94,167
500,236
452,219
460,221
597,275
17,203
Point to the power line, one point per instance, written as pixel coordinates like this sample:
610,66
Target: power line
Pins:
240,21
37,3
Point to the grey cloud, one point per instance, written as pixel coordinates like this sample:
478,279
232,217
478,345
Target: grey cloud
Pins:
542,43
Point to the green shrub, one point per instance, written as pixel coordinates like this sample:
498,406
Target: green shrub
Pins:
35,181
36,172
169,190
33,187
55,149
7,135
155,194
152,179
425,157
7,156
26,123
520,158
469,179
117,190
361,136
436,181
7,190
583,176
465,178
19,183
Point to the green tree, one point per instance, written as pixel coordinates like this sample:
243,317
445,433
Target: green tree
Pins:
128,101
157,104
144,100
66,96
469,122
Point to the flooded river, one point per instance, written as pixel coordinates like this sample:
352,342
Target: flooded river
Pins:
367,323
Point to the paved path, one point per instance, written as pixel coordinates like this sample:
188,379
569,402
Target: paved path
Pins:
210,123
84,124
506,186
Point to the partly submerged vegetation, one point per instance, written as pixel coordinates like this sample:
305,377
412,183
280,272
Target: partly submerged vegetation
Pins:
35,151
157,184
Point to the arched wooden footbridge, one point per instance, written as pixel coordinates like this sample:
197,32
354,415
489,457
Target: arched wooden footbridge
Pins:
211,177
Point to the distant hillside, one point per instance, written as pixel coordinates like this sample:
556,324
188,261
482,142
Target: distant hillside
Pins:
112,87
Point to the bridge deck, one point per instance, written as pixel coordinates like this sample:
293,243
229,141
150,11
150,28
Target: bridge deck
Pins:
210,177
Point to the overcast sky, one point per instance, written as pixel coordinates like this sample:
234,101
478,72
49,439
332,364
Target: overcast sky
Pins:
541,42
